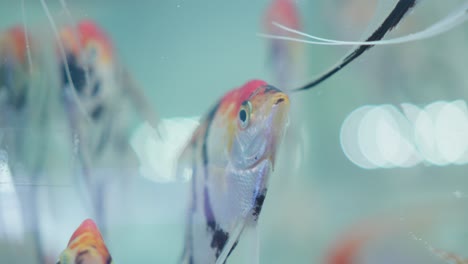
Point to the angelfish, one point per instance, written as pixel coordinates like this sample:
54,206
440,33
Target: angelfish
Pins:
230,157
98,91
16,81
98,96
86,246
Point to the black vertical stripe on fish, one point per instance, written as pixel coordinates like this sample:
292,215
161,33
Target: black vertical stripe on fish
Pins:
258,204
16,96
77,74
207,205
219,236
7,75
96,88
209,120
392,20
96,113
20,100
219,240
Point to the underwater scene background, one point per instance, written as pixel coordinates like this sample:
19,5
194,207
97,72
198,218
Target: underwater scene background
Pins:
372,169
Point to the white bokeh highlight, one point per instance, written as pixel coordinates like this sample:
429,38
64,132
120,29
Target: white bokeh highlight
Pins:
382,136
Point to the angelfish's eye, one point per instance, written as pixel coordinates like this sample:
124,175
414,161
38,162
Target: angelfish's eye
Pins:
244,114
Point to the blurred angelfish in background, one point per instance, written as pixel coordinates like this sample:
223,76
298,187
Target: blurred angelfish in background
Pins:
287,64
99,97
14,69
286,58
15,86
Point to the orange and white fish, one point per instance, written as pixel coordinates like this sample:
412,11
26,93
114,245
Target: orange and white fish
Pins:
90,72
104,90
89,92
86,246
230,158
99,97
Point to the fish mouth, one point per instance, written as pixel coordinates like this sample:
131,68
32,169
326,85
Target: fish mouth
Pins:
279,100
280,110
278,123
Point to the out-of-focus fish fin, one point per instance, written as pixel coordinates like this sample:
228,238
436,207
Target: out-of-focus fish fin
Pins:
139,98
390,22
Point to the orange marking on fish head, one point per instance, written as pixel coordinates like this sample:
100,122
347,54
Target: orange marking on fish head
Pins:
14,41
69,40
93,37
87,41
231,102
230,105
250,106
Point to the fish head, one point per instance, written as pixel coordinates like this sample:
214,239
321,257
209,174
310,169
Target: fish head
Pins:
96,45
90,62
87,48
86,246
257,118
88,43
